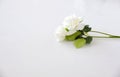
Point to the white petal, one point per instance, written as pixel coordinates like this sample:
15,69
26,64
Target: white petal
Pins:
60,33
71,32
81,26
71,22
59,37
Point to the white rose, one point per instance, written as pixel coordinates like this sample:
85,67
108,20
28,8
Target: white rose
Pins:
72,22
60,33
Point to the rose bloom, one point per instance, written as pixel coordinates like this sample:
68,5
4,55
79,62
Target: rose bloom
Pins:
70,25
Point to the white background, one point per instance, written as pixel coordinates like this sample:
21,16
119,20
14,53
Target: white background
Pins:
28,47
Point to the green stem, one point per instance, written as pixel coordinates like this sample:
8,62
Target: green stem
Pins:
105,36
102,33
114,36
108,35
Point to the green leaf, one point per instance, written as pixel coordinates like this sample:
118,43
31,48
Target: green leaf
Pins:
89,39
79,43
87,28
73,36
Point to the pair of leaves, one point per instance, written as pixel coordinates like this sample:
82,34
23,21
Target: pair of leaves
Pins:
78,43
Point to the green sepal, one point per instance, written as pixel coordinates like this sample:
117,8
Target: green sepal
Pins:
67,29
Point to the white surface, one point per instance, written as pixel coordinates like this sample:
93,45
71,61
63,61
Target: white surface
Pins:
28,47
